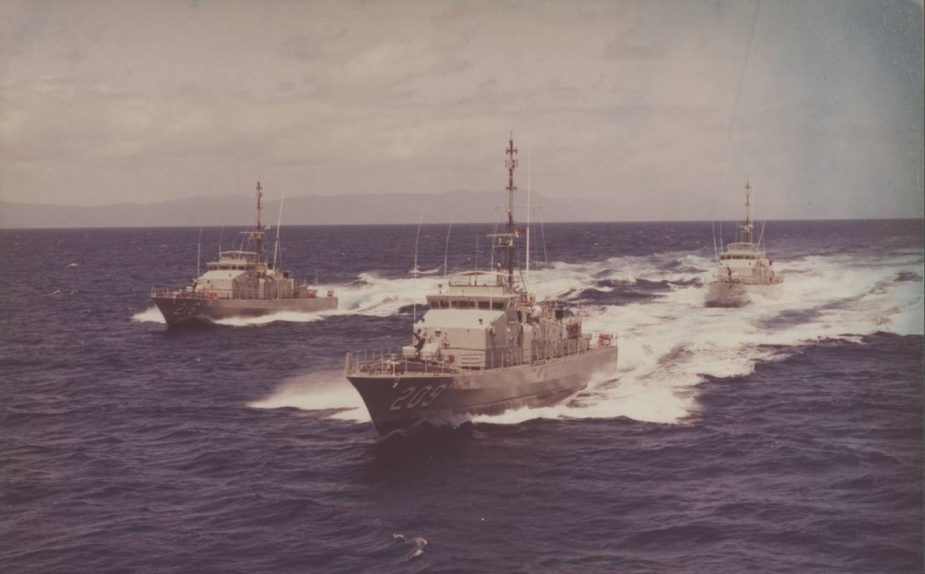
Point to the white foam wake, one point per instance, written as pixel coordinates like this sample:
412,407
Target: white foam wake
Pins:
288,316
669,345
381,297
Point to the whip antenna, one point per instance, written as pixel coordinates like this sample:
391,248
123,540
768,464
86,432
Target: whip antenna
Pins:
446,249
279,221
529,172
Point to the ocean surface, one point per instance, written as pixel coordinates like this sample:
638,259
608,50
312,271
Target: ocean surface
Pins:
784,436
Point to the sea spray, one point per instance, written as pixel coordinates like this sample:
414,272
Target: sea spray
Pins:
323,390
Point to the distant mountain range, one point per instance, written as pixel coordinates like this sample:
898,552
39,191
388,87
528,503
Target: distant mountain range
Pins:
461,206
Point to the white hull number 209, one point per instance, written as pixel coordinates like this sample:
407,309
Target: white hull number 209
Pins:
411,397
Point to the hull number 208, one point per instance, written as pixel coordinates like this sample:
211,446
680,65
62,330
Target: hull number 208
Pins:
412,397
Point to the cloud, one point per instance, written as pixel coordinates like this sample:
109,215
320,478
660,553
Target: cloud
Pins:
348,64
671,101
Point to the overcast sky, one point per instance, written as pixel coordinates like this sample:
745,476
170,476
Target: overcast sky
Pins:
673,104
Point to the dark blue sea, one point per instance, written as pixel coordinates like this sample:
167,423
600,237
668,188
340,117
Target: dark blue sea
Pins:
784,436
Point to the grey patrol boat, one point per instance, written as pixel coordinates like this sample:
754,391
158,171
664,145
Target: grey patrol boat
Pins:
241,283
485,345
742,269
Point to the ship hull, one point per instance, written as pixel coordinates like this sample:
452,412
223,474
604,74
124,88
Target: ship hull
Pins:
726,294
397,402
185,310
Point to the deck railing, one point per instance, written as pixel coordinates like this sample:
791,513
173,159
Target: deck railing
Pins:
392,361
167,292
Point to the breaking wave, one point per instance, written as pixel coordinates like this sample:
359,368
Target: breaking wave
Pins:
416,545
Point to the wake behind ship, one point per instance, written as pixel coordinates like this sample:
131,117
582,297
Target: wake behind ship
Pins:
485,345
241,283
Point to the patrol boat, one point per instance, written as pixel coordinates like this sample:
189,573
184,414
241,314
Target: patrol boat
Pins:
742,269
484,345
241,284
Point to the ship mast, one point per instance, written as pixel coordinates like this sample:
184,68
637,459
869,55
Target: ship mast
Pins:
259,208
259,223
747,228
254,239
508,242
